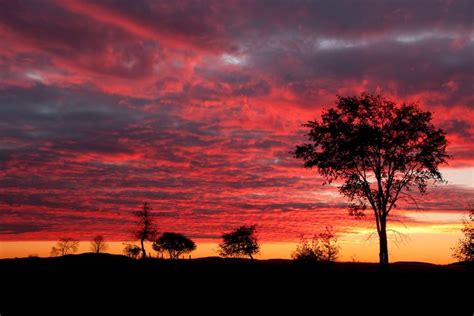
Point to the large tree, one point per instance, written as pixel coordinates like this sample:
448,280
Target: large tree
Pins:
378,150
175,244
146,228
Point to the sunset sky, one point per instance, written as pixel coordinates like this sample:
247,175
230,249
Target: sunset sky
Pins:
194,107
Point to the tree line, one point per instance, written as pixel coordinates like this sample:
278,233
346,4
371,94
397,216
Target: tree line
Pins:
240,242
377,151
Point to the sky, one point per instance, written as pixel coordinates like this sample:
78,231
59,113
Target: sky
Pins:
194,107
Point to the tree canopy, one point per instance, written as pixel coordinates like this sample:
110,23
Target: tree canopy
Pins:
464,250
242,241
65,246
377,150
132,251
175,244
322,247
98,244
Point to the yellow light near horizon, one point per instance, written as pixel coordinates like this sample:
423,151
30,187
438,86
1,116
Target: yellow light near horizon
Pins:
408,230
431,243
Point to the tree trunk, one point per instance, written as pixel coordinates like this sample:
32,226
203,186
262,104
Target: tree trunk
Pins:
383,254
251,257
143,249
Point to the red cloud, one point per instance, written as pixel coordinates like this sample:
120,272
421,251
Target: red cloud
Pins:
194,108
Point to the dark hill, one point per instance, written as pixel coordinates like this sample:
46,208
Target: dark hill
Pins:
276,283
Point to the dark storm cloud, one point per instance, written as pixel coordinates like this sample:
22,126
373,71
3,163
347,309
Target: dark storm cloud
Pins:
77,40
207,22
62,111
425,65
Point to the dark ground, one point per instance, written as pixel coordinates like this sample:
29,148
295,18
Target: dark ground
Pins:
90,282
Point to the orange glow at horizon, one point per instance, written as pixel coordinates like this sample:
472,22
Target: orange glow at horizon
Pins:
195,110
420,244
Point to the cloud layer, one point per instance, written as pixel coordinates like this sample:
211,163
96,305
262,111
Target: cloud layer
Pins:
194,106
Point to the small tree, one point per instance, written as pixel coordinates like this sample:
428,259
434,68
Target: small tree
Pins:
175,244
240,242
308,250
146,228
322,247
378,150
65,246
98,244
328,245
132,251
464,250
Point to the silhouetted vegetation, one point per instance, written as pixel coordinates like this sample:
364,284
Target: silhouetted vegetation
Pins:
175,244
328,245
65,246
240,242
132,251
307,250
322,247
379,149
464,250
146,228
98,244
200,282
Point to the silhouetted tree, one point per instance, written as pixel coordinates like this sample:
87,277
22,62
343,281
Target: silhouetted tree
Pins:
379,150
98,244
308,250
146,228
65,246
464,250
328,245
240,242
132,251
175,244
322,247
